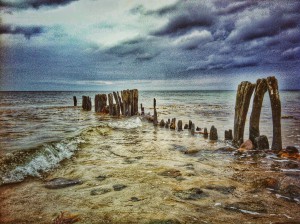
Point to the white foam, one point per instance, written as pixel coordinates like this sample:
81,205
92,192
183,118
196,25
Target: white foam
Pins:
129,123
48,159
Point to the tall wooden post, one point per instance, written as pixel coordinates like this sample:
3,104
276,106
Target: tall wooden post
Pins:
243,96
117,104
155,122
86,103
272,84
111,104
260,90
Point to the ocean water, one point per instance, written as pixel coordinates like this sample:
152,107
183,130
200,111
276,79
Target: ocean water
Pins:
39,130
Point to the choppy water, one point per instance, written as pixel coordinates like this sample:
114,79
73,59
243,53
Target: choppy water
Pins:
40,129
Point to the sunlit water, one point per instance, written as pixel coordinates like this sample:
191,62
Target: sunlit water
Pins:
40,129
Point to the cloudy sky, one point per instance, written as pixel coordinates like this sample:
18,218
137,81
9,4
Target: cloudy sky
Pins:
150,45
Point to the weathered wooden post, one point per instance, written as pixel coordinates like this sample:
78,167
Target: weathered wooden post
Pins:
190,124
125,97
272,84
205,133
193,128
142,110
260,90
155,122
243,96
162,123
228,134
100,103
118,105
75,101
173,124
179,124
86,103
135,102
186,126
121,103
213,134
111,104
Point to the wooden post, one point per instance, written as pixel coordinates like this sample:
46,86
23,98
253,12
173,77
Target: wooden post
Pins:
75,101
154,113
272,84
86,103
135,102
205,133
193,128
173,124
190,124
213,134
228,135
125,98
121,103
117,104
243,96
100,103
162,123
179,124
260,90
142,110
111,104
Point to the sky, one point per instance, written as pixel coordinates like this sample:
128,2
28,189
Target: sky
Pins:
149,45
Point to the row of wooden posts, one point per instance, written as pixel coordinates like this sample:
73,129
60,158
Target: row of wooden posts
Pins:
125,104
171,124
243,97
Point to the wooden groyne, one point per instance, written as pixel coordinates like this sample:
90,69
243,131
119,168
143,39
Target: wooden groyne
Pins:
113,103
125,103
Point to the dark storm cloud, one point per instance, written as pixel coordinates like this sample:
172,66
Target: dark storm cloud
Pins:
27,31
141,49
266,26
36,4
185,17
236,7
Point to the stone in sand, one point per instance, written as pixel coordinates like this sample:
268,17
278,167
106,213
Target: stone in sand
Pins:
247,145
186,126
61,182
119,187
198,129
100,191
190,194
173,124
170,173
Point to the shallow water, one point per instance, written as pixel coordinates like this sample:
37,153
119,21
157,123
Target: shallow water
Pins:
49,139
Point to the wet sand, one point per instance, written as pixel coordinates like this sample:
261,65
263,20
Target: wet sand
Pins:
158,175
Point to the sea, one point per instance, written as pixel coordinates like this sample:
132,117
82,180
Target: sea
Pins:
41,129
127,170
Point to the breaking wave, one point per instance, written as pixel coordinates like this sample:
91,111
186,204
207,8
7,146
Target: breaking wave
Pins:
46,158
130,123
